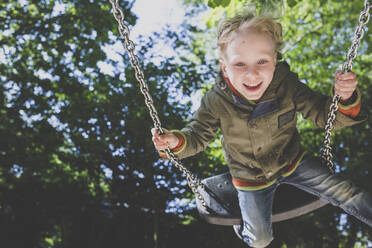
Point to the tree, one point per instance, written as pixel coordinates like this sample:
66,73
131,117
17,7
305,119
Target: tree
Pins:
77,163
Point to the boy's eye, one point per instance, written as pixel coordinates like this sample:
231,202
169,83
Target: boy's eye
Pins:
239,64
262,61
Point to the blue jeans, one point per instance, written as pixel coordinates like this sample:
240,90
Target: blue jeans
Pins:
310,176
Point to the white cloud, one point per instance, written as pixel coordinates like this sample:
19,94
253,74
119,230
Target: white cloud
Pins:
153,16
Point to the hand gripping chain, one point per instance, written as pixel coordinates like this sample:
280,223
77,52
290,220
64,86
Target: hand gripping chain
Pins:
347,66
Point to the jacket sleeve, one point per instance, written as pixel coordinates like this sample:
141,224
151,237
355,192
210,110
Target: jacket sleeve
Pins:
200,130
315,107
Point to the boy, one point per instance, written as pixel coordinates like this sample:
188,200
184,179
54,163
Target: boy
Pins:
254,103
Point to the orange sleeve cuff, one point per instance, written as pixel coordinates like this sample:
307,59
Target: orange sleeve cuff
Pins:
352,109
352,112
181,142
162,154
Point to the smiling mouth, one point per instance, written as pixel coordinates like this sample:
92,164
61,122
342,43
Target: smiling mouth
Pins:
253,87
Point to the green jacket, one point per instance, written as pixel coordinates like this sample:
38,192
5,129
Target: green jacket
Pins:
260,141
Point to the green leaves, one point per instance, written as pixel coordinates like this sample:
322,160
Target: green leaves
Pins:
218,3
291,3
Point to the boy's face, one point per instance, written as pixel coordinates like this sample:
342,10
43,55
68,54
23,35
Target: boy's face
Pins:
249,61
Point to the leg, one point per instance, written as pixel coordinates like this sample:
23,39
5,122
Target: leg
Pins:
256,208
315,178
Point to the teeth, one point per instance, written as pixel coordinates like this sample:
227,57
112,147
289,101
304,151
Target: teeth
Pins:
252,86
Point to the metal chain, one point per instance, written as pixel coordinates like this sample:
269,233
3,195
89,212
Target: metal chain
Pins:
192,180
347,66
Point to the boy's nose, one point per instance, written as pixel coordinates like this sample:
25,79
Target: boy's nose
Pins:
251,73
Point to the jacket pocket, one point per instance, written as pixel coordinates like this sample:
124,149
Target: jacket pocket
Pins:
286,118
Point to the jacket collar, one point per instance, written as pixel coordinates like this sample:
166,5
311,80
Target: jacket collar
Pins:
281,71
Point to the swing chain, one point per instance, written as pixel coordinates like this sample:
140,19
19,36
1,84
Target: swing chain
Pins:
347,66
134,61
192,180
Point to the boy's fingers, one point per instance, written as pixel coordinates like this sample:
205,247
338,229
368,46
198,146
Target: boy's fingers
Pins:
161,146
165,138
346,76
153,131
350,87
344,90
347,84
162,141
338,73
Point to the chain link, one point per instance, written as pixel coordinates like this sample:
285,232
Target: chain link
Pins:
347,66
192,180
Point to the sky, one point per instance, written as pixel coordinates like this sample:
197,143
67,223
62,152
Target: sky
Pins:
154,15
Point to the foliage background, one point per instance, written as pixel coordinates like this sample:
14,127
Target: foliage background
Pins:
77,165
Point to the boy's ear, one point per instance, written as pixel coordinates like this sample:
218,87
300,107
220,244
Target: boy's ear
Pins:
223,67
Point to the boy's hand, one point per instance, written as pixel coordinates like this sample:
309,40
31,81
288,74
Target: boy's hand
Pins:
164,141
345,84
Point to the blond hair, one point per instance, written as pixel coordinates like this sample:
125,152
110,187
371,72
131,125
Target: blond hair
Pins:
243,22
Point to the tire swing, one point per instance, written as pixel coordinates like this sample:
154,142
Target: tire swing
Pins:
216,197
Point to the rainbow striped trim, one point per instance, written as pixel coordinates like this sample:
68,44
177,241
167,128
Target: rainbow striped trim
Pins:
295,165
357,101
251,186
245,186
352,109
